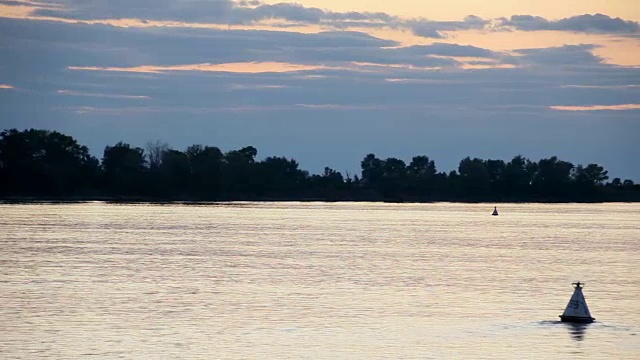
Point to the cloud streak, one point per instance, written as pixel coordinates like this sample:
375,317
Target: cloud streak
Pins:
98,95
596,23
620,107
568,55
291,14
28,3
246,67
436,29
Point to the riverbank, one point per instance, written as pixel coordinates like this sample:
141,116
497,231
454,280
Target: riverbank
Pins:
400,199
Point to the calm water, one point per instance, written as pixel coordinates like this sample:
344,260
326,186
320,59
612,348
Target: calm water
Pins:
317,281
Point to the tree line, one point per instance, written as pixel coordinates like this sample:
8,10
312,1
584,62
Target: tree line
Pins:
39,163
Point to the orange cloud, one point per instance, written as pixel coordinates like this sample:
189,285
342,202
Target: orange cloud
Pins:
20,12
597,107
241,67
456,9
614,50
284,67
4,86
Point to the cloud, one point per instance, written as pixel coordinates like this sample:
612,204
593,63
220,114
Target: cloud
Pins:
427,32
153,50
363,86
228,12
249,12
193,10
98,95
345,68
61,45
620,107
569,55
445,49
614,87
247,67
245,87
5,86
213,11
434,29
369,55
26,3
597,23
288,92
309,15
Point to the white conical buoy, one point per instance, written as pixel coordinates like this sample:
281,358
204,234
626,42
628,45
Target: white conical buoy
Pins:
577,310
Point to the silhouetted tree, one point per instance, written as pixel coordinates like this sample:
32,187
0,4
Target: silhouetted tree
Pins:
240,171
518,176
280,175
495,171
44,163
553,177
628,184
394,178
41,162
207,166
124,169
474,177
372,170
175,169
591,175
331,178
155,152
453,184
420,173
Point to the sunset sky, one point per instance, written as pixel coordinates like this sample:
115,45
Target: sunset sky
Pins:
328,81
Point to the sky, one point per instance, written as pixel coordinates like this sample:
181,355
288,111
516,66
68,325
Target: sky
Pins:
327,82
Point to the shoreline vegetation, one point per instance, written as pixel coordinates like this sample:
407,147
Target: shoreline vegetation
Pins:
47,166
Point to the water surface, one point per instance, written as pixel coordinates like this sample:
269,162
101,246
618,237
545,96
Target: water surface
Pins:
317,281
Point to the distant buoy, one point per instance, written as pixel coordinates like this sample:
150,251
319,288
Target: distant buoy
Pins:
577,310
495,211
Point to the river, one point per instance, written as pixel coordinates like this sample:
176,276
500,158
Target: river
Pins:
317,281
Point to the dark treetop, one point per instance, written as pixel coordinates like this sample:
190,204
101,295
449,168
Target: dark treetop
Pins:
44,164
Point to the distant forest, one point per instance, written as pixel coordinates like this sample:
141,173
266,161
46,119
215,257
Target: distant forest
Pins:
42,164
